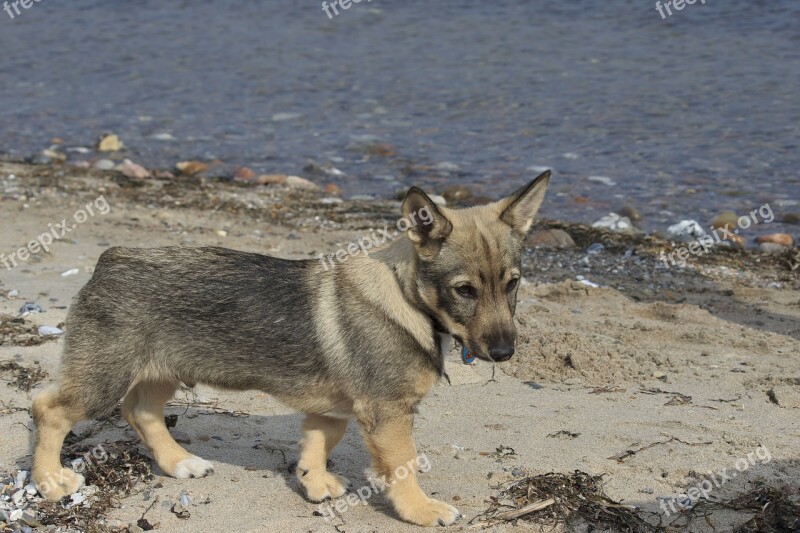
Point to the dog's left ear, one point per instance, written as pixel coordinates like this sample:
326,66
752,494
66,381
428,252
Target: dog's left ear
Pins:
519,209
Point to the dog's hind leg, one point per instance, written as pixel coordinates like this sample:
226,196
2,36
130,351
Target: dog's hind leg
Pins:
320,434
54,414
143,408
395,461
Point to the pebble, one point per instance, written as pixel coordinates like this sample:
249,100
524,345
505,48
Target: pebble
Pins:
457,193
131,170
79,150
602,179
30,307
331,200
777,238
190,168
728,220
772,248
660,375
243,174
109,143
180,436
614,222
50,331
12,294
332,188
686,229
791,218
70,272
163,137
82,164
630,212
438,199
270,179
297,182
104,164
595,248
586,282
551,238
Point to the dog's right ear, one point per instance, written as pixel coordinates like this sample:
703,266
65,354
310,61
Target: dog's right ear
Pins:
427,226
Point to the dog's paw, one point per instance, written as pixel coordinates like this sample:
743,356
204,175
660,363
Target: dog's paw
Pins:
55,485
320,485
430,513
193,467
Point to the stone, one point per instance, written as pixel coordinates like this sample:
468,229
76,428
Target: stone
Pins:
131,170
296,182
614,222
728,220
791,218
270,179
109,143
550,238
438,199
686,229
243,174
104,164
457,193
776,238
332,189
190,168
772,248
630,212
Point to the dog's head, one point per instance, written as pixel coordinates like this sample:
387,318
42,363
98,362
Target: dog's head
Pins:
468,267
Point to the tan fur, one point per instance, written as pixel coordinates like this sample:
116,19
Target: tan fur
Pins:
320,434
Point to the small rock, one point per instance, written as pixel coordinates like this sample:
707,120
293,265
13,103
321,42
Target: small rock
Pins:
438,199
331,200
180,436
190,168
551,238
630,212
457,193
660,375
70,272
109,143
791,218
728,220
55,156
777,238
131,170
270,179
595,248
12,294
772,248
602,179
163,137
736,240
297,182
333,189
30,307
82,164
244,174
221,233
104,164
686,229
50,331
614,222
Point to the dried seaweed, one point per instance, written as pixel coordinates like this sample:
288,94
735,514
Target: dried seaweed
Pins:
571,500
114,477
774,510
23,378
19,332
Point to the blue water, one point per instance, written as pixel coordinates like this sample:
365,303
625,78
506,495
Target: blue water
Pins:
689,116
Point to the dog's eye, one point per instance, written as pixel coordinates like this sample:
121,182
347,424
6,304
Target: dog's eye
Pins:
466,290
512,284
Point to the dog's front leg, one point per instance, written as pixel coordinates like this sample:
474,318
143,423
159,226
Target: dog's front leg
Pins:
320,435
395,461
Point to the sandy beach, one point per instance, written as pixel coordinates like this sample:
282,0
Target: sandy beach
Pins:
657,379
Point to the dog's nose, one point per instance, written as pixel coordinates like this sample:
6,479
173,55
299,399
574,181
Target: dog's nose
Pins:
502,352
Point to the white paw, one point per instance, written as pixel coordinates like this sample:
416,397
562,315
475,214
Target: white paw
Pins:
193,467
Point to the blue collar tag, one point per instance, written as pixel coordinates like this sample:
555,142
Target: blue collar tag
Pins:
466,356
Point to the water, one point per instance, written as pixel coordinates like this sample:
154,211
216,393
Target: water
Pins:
688,116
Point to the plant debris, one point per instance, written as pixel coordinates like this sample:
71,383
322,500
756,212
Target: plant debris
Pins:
112,470
620,457
571,500
23,378
20,332
774,510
